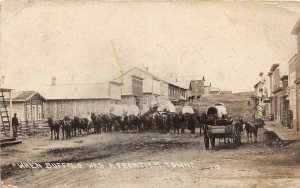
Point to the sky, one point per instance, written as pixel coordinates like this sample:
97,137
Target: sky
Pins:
229,43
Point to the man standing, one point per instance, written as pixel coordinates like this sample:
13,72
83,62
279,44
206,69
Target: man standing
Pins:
15,124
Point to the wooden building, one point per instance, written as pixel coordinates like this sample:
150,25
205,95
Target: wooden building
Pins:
29,105
292,89
279,97
197,87
177,92
296,32
214,91
140,87
80,99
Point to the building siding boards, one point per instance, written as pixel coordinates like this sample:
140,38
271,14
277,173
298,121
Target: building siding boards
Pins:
295,31
292,89
58,109
29,106
197,87
89,98
153,88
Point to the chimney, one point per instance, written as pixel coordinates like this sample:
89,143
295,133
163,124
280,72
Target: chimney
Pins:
53,81
147,69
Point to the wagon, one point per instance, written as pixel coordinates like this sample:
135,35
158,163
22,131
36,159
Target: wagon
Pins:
218,125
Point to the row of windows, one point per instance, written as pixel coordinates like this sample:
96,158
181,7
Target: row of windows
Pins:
34,112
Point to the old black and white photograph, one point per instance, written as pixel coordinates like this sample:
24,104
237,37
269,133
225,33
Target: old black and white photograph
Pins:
142,93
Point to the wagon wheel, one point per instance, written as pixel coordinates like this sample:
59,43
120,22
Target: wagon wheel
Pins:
206,139
212,141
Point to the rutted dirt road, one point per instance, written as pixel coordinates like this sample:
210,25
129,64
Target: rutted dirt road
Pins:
150,160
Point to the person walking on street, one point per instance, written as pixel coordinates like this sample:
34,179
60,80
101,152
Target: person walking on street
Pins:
15,124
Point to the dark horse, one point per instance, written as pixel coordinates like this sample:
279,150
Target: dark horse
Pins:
66,127
54,127
176,123
81,124
201,121
97,121
252,128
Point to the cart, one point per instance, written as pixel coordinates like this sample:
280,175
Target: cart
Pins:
218,125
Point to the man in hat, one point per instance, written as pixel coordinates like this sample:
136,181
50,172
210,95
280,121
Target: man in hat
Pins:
15,124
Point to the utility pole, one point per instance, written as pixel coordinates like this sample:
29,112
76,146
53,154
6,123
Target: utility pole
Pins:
260,96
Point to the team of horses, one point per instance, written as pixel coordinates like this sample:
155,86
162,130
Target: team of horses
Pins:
155,122
98,123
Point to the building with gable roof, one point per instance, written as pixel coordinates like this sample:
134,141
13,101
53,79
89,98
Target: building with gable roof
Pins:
80,99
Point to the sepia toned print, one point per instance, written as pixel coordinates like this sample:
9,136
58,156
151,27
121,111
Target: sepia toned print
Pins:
149,93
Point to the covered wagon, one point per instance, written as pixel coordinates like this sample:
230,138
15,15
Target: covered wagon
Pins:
218,125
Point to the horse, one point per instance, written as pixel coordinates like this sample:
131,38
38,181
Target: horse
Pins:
81,124
201,121
66,127
252,128
191,123
97,122
147,122
191,98
107,124
176,123
54,127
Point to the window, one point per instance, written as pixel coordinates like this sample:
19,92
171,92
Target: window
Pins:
28,112
39,115
137,86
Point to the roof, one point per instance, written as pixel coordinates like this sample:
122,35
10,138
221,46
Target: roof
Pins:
296,28
76,91
180,85
146,72
5,89
207,84
293,59
255,86
273,67
22,95
214,89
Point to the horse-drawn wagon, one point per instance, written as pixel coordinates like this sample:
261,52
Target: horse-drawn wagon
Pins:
218,125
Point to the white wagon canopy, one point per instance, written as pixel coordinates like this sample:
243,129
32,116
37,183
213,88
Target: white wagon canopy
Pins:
188,109
217,109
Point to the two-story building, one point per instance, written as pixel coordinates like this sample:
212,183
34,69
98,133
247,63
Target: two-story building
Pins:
197,88
177,92
296,31
292,90
142,88
261,94
276,87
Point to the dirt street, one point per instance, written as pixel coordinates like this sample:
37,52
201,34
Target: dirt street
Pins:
150,160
